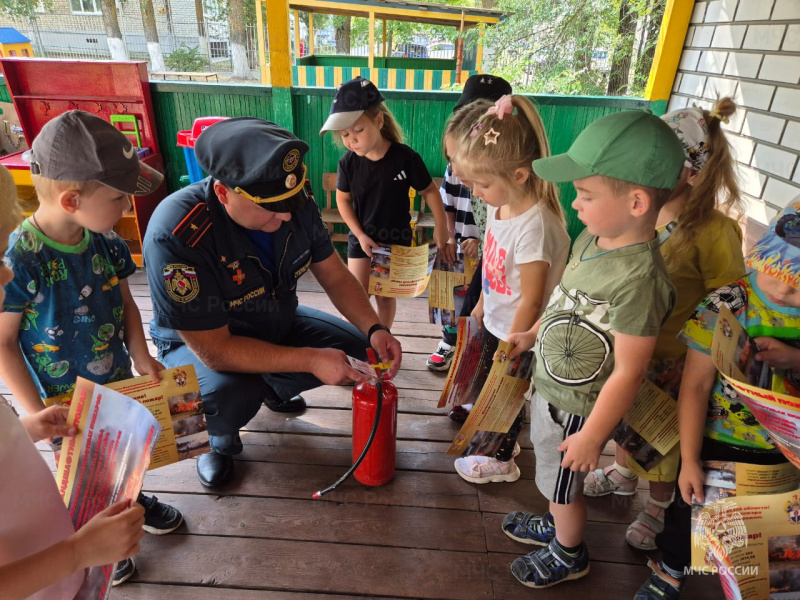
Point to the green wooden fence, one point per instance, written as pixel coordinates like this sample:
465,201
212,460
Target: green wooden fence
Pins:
177,105
422,115
382,62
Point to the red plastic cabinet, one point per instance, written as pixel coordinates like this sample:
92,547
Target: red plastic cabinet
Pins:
42,89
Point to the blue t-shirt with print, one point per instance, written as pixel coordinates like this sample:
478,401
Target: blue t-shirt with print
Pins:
71,304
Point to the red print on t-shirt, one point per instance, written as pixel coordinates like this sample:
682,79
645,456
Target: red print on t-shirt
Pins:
494,267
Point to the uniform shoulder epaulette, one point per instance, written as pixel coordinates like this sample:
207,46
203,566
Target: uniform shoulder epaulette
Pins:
194,225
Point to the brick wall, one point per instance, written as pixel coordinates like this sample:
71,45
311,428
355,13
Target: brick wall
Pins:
750,50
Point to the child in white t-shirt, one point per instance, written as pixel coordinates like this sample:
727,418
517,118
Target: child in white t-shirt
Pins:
526,244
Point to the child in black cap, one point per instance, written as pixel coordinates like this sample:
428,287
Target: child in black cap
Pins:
373,180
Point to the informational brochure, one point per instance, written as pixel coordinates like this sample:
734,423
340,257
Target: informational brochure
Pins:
449,282
752,542
650,428
104,463
483,375
763,391
472,361
176,403
401,271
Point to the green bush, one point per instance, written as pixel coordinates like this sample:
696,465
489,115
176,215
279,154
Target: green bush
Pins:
186,59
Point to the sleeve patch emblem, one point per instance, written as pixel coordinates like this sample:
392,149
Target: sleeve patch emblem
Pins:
181,282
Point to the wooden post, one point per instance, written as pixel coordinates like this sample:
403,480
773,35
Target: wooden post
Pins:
479,53
677,16
280,62
460,50
384,38
297,52
371,62
310,33
262,44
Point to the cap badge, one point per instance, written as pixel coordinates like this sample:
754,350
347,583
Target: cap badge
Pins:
290,160
291,181
129,152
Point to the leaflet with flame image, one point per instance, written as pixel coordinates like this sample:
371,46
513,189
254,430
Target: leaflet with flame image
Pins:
751,540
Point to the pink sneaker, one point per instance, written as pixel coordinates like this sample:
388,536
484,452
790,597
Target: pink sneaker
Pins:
486,469
602,482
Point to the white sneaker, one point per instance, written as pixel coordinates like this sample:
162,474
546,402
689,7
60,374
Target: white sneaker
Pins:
486,469
441,359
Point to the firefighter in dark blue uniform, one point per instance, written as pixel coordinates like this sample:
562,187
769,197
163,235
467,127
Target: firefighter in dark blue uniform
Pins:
223,257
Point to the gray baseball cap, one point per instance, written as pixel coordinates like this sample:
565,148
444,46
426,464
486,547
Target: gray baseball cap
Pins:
78,146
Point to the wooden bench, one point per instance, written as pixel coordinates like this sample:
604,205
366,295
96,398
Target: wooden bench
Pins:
425,220
188,75
331,216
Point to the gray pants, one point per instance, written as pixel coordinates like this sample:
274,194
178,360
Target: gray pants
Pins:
231,400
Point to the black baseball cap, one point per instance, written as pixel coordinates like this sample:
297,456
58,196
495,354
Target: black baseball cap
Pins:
483,87
351,100
257,159
79,146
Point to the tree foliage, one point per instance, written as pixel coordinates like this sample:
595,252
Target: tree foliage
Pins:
184,58
575,46
22,8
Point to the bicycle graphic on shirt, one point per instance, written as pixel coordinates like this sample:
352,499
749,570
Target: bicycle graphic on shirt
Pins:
574,347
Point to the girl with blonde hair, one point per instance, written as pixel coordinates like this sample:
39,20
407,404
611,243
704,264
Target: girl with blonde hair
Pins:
525,246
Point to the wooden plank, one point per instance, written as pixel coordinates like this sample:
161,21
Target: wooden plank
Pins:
273,480
337,451
314,567
332,522
409,400
148,591
524,495
605,540
339,422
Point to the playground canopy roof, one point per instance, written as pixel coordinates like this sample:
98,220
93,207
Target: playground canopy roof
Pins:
9,35
402,10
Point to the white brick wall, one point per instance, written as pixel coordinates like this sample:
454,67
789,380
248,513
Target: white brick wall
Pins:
750,50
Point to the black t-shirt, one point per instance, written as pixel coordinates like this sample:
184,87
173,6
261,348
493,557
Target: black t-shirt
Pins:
379,189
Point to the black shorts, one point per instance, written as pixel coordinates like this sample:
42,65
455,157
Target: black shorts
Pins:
401,238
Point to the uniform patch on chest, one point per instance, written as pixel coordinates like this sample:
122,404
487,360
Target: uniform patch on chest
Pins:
181,282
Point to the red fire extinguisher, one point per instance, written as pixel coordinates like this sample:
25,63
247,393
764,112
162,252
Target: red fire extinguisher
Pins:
374,433
369,397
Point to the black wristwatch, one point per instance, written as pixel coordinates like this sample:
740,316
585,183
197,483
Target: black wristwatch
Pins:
377,327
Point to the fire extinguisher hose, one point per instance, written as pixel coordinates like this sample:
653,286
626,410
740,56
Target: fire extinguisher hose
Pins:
361,456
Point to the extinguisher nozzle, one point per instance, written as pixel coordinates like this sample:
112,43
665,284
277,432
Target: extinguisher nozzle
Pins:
316,496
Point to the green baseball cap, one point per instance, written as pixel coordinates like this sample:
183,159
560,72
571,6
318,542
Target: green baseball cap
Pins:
633,145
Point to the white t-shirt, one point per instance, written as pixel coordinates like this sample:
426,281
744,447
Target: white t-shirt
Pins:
535,235
32,514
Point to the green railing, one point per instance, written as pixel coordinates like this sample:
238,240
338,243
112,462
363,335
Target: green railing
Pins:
422,115
379,62
177,105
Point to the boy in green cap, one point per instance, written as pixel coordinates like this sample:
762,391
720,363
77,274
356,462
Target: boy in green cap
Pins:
598,333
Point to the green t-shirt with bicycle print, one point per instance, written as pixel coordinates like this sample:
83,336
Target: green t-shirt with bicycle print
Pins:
602,292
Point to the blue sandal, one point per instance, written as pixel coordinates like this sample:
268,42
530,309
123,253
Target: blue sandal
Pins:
549,566
529,529
660,585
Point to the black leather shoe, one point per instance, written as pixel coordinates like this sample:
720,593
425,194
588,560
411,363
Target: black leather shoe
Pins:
214,470
273,402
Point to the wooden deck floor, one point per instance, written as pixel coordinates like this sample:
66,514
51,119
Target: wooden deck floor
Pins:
427,534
